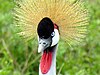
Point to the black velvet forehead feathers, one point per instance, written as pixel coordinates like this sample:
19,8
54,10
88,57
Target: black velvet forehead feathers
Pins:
45,28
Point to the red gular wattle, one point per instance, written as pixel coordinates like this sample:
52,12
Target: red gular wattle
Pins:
46,61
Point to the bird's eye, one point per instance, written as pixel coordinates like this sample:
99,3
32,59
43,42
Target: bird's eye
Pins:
53,34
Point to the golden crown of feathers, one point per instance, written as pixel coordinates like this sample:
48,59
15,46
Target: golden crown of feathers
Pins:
71,17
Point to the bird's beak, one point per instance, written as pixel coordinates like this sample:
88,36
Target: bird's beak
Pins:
40,48
43,44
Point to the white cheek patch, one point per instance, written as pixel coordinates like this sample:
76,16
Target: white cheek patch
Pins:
55,39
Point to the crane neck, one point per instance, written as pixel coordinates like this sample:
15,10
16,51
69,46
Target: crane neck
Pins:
52,70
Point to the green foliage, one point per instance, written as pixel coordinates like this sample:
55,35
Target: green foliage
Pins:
20,58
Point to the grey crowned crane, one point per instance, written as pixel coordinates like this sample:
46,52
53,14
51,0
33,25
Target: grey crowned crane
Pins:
51,20
48,40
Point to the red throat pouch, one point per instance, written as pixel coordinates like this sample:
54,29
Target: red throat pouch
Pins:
45,62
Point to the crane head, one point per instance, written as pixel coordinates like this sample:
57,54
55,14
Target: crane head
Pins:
45,32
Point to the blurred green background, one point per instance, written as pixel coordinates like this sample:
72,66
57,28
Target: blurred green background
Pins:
20,58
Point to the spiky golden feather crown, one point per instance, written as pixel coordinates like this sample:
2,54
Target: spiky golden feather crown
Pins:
72,18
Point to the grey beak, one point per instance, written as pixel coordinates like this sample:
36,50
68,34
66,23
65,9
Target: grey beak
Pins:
41,48
43,44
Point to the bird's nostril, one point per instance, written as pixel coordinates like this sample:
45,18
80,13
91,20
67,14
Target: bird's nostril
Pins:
44,43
